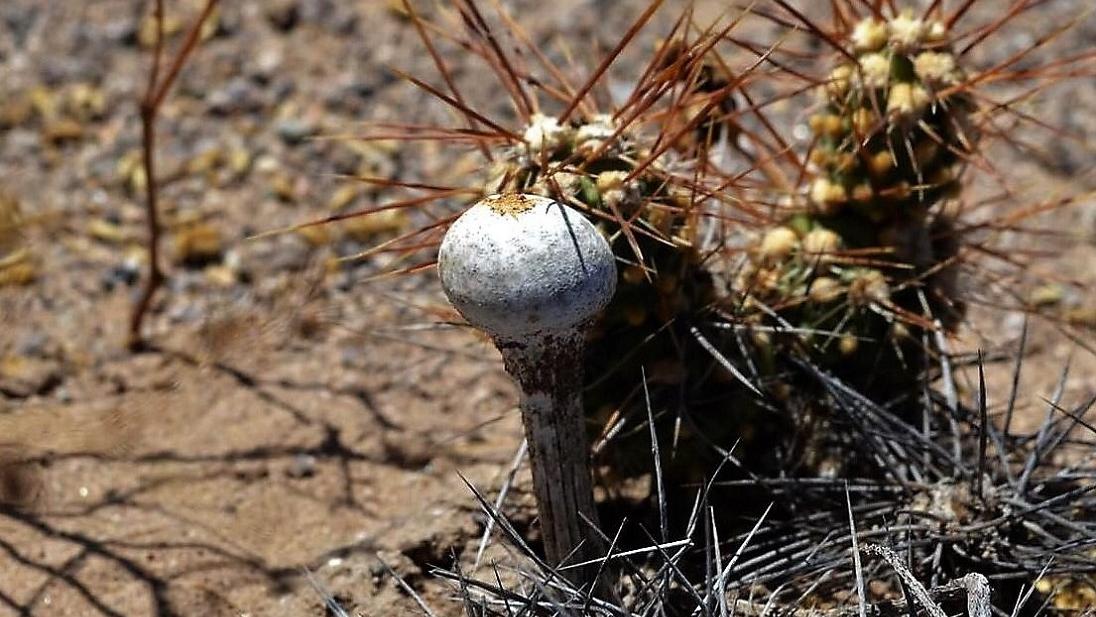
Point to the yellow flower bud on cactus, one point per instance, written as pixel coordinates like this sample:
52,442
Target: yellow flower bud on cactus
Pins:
545,133
899,191
935,68
610,180
667,283
839,82
633,275
820,243
824,290
635,315
821,157
862,193
924,151
942,176
827,125
771,280
848,345
906,33
828,196
881,163
876,69
778,243
908,101
615,193
661,219
869,287
935,32
863,121
844,162
869,35
762,339
589,137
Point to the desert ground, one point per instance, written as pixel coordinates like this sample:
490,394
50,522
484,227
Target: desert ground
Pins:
296,413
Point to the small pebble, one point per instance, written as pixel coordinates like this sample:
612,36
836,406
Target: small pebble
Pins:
283,14
32,344
128,273
293,131
266,63
237,96
121,30
303,466
188,313
23,377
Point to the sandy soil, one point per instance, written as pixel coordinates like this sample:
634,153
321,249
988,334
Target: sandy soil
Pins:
294,415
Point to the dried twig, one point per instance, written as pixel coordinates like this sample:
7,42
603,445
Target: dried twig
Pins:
153,99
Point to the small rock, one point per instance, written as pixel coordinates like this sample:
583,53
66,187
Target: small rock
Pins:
188,313
128,273
121,30
283,14
1081,316
63,395
377,570
149,30
282,89
14,111
266,63
62,130
11,224
283,188
85,102
225,22
293,131
107,231
18,269
19,21
20,482
316,235
332,14
32,344
346,160
290,254
198,245
237,96
23,377
351,357
408,453
235,262
220,276
1047,295
303,466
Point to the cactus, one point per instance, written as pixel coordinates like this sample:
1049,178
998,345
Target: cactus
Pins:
855,272
594,164
845,268
863,269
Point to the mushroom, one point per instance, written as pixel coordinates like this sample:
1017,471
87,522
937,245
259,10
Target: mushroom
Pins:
532,273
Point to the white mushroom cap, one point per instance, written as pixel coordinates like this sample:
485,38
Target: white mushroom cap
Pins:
522,265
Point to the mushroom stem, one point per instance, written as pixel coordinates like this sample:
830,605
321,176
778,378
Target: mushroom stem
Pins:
548,370
533,273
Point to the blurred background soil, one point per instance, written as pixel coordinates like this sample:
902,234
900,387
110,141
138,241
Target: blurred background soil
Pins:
297,411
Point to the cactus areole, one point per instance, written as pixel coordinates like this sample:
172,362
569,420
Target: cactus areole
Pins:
533,273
